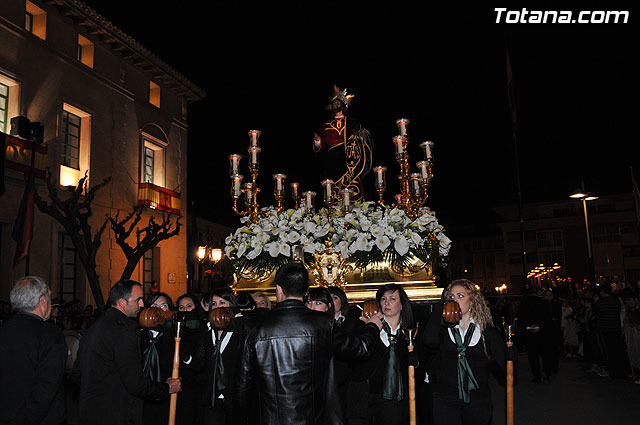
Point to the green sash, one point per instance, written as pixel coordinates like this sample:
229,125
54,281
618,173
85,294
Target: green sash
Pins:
219,382
466,380
392,381
151,359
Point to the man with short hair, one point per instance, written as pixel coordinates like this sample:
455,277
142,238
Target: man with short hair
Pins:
288,358
32,358
109,367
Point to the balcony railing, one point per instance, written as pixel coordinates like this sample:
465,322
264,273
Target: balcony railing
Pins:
158,198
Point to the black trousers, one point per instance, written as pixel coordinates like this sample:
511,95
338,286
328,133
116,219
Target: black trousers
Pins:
383,412
538,346
450,410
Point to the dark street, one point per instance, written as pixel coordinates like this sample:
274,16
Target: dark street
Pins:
574,396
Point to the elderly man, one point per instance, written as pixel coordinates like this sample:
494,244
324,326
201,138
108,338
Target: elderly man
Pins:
288,359
32,358
109,367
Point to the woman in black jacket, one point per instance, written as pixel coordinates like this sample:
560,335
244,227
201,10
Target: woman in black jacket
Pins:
458,370
379,389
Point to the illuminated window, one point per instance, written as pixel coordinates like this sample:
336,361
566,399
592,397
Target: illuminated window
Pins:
35,20
71,140
154,94
152,155
4,107
75,144
85,51
9,101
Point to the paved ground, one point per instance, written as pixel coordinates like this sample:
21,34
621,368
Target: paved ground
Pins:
574,396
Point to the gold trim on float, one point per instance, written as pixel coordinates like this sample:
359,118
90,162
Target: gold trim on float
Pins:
419,291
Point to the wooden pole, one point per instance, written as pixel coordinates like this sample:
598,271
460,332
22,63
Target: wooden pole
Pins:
412,392
509,381
173,402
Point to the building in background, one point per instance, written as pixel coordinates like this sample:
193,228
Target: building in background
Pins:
109,108
554,234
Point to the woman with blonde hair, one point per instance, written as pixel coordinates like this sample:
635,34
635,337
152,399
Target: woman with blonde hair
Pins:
458,370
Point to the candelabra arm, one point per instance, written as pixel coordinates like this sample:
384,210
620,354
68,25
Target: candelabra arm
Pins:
236,210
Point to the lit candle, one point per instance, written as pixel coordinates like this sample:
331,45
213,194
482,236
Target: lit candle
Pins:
346,199
253,157
278,180
427,146
236,185
402,125
415,183
423,166
234,164
253,138
294,190
399,142
308,201
328,189
248,193
380,179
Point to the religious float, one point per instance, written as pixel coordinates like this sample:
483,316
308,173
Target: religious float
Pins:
347,241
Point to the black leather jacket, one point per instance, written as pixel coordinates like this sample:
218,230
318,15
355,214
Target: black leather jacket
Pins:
288,361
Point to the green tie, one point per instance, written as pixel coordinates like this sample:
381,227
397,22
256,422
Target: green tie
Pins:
466,380
392,381
151,359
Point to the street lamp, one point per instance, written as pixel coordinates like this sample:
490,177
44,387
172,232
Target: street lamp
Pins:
585,196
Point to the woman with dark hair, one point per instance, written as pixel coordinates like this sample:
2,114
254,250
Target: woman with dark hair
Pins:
187,302
319,299
459,367
224,297
379,386
340,303
218,355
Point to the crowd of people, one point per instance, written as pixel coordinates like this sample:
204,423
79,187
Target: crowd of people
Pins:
312,356
593,322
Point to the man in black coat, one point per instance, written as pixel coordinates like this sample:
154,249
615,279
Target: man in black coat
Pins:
32,358
288,358
109,366
534,316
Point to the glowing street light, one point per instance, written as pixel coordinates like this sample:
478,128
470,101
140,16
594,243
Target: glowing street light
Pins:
585,196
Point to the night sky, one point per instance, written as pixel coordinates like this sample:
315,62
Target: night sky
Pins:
272,68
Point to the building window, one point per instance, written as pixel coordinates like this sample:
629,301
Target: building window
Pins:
148,164
9,102
85,51
153,160
75,146
551,238
150,268
71,140
66,268
154,94
4,107
605,233
35,20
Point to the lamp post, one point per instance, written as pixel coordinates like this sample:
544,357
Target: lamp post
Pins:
585,196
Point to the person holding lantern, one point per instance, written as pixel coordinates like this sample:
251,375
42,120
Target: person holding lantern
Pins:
462,341
379,387
345,147
221,341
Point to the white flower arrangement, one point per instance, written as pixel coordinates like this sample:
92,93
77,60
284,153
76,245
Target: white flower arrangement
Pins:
367,234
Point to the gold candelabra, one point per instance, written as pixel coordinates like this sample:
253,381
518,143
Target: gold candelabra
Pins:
413,185
250,190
